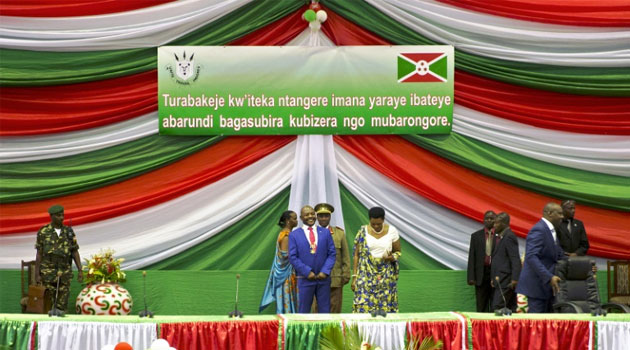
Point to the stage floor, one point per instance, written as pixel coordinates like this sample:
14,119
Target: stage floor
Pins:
301,331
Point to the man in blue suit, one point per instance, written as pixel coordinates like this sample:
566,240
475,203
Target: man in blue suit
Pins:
312,253
542,251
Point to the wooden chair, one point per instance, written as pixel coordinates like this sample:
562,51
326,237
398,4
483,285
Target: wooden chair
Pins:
619,281
34,298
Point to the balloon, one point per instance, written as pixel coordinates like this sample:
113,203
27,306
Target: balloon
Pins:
322,16
160,344
123,346
315,25
310,15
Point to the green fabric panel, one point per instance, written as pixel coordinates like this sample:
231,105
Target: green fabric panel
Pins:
180,292
590,188
249,244
355,215
305,335
32,68
36,180
605,81
14,335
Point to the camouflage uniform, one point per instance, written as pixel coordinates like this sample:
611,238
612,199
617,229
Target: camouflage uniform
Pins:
57,254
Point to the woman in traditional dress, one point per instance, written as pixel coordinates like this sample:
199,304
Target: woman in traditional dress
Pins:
282,284
375,270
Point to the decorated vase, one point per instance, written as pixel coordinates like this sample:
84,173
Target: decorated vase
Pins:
104,299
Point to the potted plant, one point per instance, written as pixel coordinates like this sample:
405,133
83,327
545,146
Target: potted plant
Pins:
103,294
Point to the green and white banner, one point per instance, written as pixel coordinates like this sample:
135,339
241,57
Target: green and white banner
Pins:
236,90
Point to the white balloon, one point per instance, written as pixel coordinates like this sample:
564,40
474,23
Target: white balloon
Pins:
315,25
108,347
160,344
322,16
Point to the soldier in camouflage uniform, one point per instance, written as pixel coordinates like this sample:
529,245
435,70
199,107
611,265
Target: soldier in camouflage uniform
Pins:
56,248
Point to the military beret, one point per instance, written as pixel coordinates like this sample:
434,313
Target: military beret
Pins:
55,209
324,208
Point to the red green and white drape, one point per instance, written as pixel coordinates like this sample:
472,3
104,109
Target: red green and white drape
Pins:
542,113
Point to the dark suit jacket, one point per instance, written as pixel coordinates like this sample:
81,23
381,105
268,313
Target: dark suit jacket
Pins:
506,262
300,253
476,256
576,241
541,255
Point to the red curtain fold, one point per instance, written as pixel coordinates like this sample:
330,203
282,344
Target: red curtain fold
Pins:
610,13
45,110
70,8
449,332
234,335
158,186
471,194
522,334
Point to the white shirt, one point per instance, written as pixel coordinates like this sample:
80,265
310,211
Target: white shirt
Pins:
58,230
380,246
308,238
551,228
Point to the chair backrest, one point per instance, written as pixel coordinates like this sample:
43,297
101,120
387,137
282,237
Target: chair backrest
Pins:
578,284
618,278
27,278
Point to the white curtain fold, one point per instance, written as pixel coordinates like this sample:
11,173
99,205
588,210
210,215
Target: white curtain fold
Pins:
613,335
147,27
93,335
608,154
29,148
511,39
386,334
156,233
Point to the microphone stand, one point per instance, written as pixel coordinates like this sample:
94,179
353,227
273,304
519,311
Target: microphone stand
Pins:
54,311
504,311
145,312
236,313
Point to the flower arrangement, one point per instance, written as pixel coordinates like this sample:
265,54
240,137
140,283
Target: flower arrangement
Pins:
333,338
103,268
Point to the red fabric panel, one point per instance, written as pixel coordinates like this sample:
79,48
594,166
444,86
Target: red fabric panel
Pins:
471,194
70,8
233,335
45,110
610,13
521,334
155,187
544,109
449,332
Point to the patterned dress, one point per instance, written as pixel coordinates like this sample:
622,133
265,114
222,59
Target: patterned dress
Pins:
282,284
377,280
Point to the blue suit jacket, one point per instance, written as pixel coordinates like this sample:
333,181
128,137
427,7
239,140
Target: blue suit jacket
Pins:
541,255
300,253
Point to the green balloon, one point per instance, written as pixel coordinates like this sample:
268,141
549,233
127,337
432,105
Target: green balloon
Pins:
310,15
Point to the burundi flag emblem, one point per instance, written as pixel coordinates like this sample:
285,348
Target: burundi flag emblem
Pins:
422,67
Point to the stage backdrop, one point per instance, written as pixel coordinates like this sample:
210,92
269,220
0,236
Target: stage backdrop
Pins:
541,113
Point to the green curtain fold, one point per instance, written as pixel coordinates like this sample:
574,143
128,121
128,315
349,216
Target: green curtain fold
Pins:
305,335
589,188
604,81
41,179
14,335
36,68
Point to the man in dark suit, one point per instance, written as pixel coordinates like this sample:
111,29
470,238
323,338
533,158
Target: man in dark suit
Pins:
571,232
312,253
479,259
506,264
542,252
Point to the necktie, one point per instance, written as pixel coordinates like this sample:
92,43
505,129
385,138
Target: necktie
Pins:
311,237
569,226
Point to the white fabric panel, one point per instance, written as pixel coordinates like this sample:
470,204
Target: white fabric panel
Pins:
386,334
28,148
148,27
439,232
311,38
511,39
156,233
93,335
608,154
613,335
